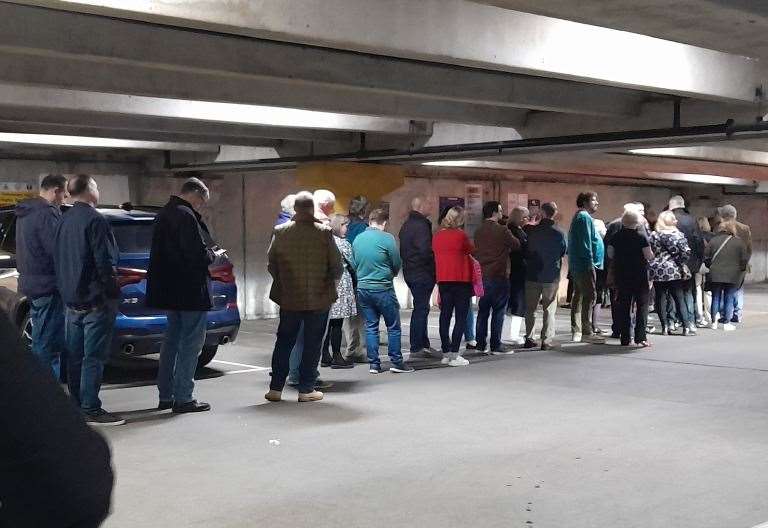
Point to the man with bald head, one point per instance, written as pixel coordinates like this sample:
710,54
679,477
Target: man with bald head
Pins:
418,271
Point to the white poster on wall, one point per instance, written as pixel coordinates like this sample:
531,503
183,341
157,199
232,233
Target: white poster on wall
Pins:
473,203
515,199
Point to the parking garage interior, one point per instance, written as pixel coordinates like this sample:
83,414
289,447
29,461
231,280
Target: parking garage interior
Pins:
519,101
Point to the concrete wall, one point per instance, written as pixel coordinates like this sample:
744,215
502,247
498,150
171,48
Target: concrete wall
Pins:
243,208
113,178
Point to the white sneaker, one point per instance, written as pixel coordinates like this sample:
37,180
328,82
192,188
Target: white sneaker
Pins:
458,362
714,326
576,338
729,327
472,343
446,359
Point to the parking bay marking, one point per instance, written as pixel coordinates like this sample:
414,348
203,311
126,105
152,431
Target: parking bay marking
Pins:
248,368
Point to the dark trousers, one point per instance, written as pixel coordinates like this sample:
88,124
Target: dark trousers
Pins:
421,292
287,332
516,303
454,298
333,339
626,296
675,289
494,301
615,316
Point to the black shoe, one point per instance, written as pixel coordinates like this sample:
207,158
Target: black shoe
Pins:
664,331
530,343
473,347
164,405
615,336
100,417
359,359
322,384
734,320
401,368
191,407
326,360
341,363
546,346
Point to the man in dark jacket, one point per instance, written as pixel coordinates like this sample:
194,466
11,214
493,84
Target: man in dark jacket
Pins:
547,245
37,220
86,256
178,282
688,225
54,470
418,271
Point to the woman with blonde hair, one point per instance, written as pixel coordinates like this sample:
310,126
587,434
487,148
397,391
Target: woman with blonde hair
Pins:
669,270
453,267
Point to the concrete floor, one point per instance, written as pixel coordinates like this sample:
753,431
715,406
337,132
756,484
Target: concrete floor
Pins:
584,436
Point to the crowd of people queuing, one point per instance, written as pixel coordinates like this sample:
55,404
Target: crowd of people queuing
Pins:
333,279
333,274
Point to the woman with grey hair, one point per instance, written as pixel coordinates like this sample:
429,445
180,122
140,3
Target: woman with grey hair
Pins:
346,304
358,210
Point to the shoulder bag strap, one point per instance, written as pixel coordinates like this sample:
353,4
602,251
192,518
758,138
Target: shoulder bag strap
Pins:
720,248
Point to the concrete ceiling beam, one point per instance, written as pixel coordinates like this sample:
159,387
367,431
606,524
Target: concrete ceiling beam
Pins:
102,54
462,33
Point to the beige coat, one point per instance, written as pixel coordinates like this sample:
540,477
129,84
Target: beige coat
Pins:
305,265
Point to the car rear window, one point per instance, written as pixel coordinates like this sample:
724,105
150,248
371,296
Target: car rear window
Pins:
135,237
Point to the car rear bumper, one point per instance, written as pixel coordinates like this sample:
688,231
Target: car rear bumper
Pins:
135,344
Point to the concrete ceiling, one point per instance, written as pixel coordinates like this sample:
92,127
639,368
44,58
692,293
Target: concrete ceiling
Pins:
733,26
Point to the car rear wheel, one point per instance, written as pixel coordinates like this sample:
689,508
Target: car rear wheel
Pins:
207,355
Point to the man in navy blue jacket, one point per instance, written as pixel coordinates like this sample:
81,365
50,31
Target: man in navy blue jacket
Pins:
36,223
86,256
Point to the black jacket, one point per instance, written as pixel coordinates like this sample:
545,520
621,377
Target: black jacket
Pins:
86,256
178,277
36,223
54,470
517,258
690,228
416,249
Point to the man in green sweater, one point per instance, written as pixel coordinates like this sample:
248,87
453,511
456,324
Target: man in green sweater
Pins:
377,262
585,256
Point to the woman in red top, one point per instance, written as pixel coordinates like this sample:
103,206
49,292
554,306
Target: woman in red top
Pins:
452,250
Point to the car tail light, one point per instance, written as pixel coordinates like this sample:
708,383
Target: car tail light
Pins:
223,273
231,306
126,276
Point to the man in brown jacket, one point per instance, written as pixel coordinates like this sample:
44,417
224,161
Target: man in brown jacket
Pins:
493,243
728,213
305,266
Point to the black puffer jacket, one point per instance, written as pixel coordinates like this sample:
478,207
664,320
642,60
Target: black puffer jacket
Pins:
178,278
690,228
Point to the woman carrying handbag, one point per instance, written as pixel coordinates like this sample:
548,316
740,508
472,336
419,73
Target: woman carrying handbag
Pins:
726,258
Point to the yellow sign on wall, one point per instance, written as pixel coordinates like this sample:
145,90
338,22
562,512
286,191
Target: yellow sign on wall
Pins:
12,193
346,180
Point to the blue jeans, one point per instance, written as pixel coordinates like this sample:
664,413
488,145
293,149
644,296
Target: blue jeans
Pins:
723,297
738,302
469,331
184,339
48,342
419,334
291,324
89,339
376,304
495,300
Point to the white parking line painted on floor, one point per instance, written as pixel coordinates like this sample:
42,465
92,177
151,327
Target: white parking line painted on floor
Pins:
260,369
249,367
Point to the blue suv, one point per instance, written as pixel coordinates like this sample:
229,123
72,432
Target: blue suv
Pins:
139,330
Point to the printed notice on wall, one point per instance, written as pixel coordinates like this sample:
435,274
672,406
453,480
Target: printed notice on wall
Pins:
515,199
474,207
12,193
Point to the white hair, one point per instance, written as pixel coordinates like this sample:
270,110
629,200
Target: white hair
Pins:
287,204
632,206
676,202
727,212
630,218
323,197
